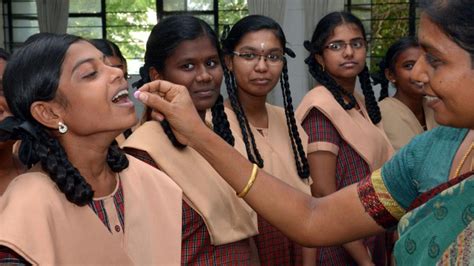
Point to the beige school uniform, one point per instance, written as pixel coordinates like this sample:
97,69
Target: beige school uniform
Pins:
399,122
274,146
354,126
42,226
228,218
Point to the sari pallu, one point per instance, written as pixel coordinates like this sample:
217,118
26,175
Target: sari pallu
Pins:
437,227
440,229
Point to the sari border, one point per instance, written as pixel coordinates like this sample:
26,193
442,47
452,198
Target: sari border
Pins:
426,196
378,202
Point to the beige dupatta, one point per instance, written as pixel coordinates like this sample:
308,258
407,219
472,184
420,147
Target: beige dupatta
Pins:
38,222
227,217
399,122
367,139
275,147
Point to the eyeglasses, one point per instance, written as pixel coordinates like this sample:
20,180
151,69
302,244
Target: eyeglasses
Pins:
338,46
254,58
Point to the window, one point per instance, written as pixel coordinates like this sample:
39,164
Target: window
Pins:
385,22
125,22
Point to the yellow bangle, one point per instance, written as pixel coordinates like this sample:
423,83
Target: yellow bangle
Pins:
252,179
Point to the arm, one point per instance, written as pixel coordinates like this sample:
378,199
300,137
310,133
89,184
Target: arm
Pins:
322,165
299,216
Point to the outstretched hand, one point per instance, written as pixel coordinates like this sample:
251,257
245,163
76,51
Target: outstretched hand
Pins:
171,102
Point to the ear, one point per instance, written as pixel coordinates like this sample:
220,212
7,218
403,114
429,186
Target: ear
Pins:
389,75
153,74
49,114
319,59
228,62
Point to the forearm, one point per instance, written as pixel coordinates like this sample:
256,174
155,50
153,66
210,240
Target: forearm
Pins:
296,214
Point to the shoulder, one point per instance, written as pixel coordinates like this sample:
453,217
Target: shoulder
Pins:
31,183
143,173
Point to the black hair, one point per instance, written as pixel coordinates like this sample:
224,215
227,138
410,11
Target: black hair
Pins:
164,38
455,19
321,34
4,54
40,62
389,61
255,23
108,48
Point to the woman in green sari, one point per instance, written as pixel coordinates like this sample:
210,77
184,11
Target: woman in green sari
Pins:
426,188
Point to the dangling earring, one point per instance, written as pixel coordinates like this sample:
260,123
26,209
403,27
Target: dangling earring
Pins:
62,128
324,68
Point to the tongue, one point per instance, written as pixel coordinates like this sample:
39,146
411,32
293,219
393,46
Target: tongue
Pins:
121,99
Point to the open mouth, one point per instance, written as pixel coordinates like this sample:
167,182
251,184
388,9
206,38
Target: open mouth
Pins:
120,97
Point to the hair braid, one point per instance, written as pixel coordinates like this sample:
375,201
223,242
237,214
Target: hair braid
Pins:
370,102
298,151
327,81
243,123
220,123
54,161
169,133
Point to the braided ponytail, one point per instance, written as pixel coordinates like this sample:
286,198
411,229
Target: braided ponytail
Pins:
220,123
370,102
301,161
252,152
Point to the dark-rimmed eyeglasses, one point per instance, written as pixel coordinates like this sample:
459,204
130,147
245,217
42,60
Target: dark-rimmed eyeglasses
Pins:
338,46
252,57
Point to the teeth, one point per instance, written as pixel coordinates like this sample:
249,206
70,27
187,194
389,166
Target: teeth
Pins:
431,98
119,94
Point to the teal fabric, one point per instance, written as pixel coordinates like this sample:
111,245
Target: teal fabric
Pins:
422,164
426,232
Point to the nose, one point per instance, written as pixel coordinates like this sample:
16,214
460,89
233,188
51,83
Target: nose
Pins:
348,51
261,65
115,73
419,72
203,75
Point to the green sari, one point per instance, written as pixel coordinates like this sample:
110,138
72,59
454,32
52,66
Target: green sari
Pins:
434,214
440,229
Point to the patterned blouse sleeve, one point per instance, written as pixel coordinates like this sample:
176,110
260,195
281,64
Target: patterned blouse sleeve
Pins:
322,135
387,193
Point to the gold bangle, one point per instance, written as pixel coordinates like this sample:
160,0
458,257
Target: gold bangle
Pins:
252,179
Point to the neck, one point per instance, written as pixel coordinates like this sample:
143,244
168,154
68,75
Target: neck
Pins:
348,84
9,167
202,114
255,109
414,103
89,156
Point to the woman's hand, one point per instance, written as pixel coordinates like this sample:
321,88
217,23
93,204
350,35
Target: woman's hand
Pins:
171,101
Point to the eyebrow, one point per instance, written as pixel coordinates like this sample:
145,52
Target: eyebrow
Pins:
256,49
353,39
87,60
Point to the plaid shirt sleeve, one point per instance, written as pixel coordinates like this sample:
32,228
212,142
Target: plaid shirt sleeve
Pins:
10,257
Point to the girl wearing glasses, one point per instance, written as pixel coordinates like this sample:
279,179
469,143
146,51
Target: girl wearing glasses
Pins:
346,140
255,61
426,188
216,224
406,114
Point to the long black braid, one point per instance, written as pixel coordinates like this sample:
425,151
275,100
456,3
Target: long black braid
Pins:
251,147
302,165
220,124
